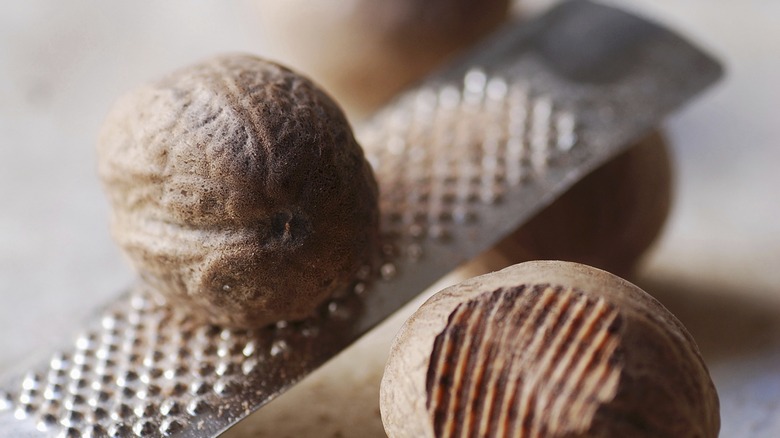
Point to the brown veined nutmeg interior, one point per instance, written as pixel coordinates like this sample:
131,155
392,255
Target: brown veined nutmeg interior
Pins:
366,51
608,219
238,191
546,349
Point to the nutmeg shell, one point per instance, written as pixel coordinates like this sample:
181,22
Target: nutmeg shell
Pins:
238,190
546,349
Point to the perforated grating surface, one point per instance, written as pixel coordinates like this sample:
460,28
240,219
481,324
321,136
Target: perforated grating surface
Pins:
443,153
145,369
460,160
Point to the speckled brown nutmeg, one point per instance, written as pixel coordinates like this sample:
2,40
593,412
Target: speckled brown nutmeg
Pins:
608,219
238,190
546,349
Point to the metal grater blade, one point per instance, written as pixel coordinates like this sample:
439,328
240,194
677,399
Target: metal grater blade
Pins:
462,159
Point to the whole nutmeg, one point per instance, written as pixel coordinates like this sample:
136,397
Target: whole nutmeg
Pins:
546,349
365,51
606,220
238,190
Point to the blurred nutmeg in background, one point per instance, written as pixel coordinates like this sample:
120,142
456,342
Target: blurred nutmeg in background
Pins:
365,51
608,219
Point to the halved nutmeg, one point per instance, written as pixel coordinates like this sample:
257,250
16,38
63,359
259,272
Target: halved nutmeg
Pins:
546,349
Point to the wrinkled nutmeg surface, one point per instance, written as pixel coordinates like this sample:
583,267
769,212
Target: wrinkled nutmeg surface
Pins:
546,349
238,190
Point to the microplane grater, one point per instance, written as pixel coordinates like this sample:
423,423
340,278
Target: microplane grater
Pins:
462,159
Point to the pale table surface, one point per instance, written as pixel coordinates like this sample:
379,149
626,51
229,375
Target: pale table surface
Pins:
717,266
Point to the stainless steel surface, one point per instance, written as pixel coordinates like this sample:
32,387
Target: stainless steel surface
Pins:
461,160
